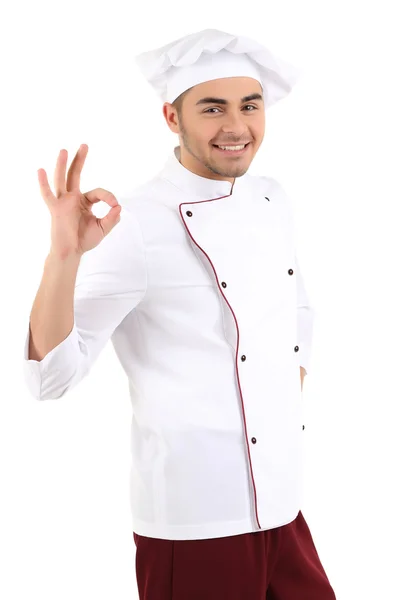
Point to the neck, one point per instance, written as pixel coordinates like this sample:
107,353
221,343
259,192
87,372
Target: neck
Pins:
195,166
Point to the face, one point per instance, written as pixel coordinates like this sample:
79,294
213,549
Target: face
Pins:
219,113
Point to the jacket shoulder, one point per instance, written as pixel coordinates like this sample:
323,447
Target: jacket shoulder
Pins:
139,197
269,185
269,182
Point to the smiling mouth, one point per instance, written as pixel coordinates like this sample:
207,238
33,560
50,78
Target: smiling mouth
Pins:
237,150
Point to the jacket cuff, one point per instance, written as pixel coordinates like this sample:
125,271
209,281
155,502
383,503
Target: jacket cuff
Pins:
62,358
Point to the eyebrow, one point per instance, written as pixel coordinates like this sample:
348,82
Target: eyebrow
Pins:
211,100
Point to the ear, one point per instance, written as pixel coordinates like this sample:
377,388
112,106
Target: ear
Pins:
171,117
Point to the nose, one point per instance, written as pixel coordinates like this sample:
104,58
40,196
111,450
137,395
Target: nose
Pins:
234,124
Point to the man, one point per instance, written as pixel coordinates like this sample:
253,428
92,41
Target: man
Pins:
200,290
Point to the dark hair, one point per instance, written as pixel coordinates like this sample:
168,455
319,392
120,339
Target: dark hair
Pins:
177,103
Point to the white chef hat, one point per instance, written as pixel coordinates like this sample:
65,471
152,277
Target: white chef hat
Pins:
213,54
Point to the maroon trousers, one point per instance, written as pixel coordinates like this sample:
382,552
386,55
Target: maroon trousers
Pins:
277,564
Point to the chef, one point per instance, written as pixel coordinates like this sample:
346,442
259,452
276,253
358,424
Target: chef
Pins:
200,291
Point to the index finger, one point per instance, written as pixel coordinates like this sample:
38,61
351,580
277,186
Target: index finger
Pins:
100,194
75,170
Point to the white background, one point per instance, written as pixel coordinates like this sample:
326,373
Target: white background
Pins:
68,78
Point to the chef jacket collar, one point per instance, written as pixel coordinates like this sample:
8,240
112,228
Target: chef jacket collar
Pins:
193,184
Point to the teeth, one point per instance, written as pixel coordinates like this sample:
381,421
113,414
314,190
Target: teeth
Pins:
232,147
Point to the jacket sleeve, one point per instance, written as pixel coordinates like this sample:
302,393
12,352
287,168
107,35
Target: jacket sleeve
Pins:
111,281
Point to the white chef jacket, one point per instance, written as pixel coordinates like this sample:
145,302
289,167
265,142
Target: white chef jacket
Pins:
199,289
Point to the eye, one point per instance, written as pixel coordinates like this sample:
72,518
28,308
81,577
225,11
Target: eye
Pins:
247,105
